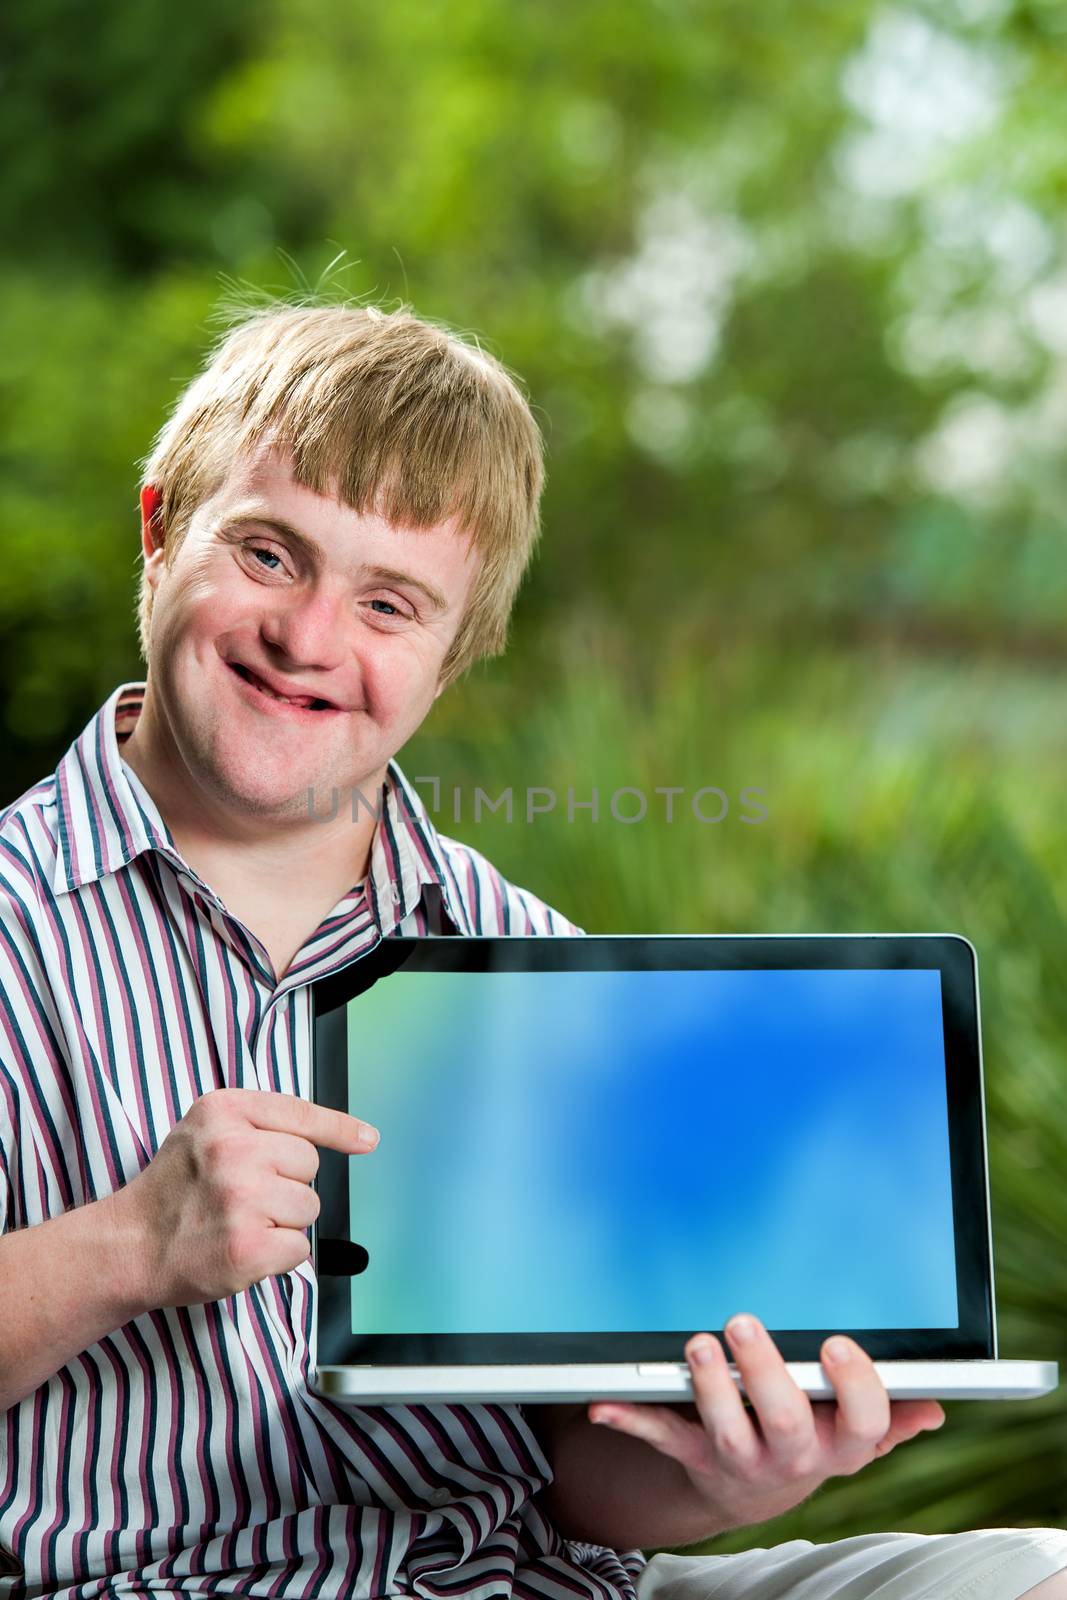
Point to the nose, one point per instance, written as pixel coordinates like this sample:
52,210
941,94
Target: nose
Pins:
308,628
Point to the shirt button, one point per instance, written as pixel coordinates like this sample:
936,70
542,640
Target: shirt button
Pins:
440,1497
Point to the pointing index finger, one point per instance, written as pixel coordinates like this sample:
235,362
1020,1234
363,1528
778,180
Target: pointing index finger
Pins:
289,1113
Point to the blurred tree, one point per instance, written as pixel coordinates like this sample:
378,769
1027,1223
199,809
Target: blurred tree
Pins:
97,115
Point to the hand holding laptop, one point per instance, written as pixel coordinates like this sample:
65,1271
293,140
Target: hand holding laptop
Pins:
749,1465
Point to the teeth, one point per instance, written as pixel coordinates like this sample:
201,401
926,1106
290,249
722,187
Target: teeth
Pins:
289,700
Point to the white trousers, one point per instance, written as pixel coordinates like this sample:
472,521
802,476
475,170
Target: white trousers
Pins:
989,1564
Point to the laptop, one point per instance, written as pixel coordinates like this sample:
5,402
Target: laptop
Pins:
593,1148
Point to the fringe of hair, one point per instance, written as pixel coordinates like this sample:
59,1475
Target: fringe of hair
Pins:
394,413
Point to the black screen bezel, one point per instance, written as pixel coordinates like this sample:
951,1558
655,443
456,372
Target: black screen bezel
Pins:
950,954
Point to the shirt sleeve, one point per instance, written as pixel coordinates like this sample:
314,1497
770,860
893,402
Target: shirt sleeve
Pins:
18,970
7,1148
495,904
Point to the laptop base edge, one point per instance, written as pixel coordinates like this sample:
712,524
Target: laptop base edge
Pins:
666,1380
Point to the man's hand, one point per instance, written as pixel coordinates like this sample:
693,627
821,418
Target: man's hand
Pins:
225,1200
746,1465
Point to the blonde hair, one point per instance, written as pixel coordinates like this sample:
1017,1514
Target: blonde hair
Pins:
394,413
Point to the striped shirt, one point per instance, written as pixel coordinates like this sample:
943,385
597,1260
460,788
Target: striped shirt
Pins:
185,1452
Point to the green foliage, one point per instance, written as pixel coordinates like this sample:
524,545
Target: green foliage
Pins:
787,289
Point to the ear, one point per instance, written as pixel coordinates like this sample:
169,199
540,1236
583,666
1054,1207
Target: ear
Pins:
152,532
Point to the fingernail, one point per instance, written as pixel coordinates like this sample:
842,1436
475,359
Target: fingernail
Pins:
742,1330
702,1351
836,1350
369,1135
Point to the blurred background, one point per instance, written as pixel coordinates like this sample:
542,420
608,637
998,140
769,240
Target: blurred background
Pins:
788,290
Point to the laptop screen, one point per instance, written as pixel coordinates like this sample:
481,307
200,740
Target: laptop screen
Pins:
594,1152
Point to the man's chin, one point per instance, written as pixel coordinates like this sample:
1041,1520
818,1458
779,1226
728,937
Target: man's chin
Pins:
265,797
321,798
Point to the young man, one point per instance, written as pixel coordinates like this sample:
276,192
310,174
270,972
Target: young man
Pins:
336,519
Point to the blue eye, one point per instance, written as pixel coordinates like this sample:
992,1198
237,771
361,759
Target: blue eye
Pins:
260,552
392,609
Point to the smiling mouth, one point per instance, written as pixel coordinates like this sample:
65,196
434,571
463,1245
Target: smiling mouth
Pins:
305,702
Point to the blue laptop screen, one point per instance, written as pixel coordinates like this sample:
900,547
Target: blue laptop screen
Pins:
656,1150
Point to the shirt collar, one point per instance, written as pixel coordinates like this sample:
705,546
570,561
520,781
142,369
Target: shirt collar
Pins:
407,857
106,818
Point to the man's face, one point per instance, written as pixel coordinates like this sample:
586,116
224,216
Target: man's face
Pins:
350,617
